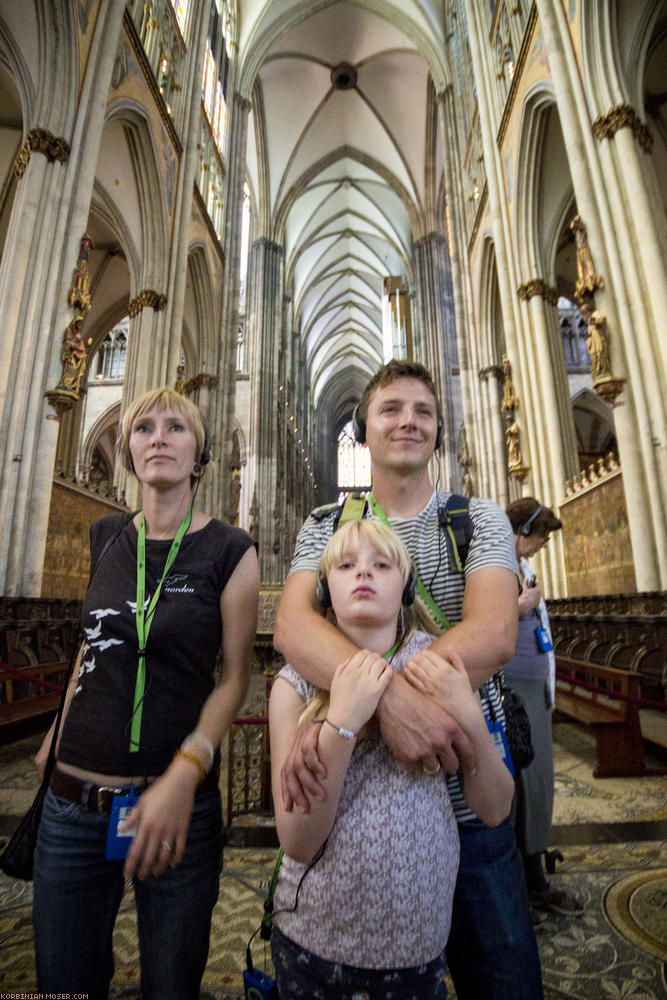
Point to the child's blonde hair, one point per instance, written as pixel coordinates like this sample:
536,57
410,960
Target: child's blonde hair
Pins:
387,544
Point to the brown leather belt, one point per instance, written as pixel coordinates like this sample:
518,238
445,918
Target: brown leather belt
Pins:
91,797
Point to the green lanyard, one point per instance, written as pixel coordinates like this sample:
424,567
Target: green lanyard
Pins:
144,617
436,612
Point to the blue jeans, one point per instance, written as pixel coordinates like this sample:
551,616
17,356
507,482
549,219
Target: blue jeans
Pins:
301,974
77,894
492,951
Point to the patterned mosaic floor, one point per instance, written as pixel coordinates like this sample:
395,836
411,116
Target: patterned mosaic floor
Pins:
616,950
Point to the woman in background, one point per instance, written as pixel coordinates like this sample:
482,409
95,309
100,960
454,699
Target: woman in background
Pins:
531,673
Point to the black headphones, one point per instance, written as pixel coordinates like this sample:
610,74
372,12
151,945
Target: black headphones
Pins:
407,597
526,528
206,452
359,429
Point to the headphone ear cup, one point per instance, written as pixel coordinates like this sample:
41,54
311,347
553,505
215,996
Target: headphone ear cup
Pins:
322,591
358,426
527,528
410,589
205,456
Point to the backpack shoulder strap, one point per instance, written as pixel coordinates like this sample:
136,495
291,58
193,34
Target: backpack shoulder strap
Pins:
456,525
353,509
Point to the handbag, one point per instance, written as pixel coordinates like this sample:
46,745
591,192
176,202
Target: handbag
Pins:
17,858
517,726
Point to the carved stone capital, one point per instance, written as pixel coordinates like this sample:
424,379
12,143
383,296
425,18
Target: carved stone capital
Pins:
491,370
538,286
145,298
202,379
623,116
40,140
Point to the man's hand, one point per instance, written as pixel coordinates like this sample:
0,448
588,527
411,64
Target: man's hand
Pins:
302,770
416,729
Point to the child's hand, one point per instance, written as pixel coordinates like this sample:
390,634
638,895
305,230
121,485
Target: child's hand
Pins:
448,684
357,686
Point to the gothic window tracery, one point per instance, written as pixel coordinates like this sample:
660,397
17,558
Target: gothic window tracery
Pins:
112,353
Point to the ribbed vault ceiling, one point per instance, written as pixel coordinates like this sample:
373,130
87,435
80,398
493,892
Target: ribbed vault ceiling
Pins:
344,165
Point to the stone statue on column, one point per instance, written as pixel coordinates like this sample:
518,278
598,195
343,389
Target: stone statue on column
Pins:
73,352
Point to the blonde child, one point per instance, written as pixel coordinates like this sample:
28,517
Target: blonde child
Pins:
364,898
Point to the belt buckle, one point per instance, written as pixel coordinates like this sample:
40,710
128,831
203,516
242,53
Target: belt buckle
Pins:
105,795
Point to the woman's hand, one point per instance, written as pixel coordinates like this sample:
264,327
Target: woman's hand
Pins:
357,686
162,819
529,597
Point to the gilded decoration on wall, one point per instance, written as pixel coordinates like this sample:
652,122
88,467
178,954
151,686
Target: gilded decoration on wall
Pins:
40,140
73,352
588,282
510,400
515,463
465,462
608,386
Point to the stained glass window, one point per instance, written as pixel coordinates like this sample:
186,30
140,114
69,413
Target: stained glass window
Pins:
354,461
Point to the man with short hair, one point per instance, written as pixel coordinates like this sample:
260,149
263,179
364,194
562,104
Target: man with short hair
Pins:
492,953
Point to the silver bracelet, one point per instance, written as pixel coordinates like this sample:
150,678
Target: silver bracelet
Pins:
347,734
197,741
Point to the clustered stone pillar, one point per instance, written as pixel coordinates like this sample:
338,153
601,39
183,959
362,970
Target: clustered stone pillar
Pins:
436,339
264,317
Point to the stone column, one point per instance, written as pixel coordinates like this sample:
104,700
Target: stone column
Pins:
493,436
48,219
436,340
170,348
226,395
460,278
639,421
264,315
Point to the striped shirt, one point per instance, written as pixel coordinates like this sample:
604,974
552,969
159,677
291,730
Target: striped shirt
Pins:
492,544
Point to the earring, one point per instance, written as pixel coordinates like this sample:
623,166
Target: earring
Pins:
197,469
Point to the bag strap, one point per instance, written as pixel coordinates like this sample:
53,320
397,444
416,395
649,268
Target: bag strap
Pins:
456,526
115,528
352,509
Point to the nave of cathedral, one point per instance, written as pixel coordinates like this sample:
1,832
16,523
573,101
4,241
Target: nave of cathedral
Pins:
259,203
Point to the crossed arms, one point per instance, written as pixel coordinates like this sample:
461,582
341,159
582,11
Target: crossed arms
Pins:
413,726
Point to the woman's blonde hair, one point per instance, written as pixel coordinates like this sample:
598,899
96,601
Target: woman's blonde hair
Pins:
160,399
347,539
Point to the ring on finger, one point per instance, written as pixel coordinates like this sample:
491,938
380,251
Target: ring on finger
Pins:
431,770
166,846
